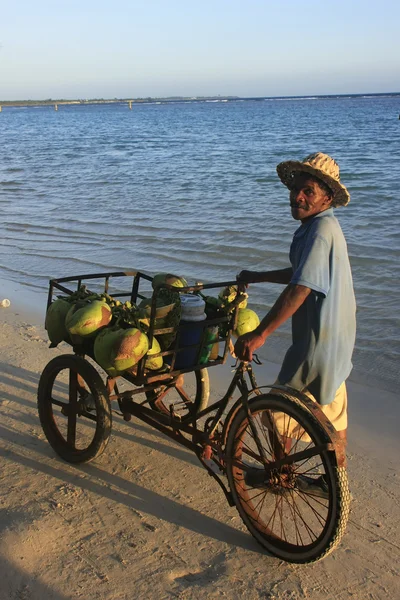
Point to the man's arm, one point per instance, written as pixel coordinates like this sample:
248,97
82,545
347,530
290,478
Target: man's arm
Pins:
287,304
279,276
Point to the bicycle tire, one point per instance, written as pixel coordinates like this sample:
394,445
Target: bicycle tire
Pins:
286,534
77,432
186,395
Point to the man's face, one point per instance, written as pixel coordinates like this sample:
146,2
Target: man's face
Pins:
307,197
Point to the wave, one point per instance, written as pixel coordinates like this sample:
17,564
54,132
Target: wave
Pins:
193,189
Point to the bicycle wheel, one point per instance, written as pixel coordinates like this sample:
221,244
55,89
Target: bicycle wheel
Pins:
186,395
296,524
74,408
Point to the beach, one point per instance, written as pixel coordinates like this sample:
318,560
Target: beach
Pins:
144,519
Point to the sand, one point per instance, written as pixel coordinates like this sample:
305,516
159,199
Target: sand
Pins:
145,521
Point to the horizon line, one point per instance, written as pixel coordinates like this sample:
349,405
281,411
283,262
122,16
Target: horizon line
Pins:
193,98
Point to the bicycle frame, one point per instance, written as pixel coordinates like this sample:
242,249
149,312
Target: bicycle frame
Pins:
208,443
204,442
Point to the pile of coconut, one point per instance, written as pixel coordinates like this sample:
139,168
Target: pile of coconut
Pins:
117,332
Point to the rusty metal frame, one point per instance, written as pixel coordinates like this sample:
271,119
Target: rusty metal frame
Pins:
142,378
203,441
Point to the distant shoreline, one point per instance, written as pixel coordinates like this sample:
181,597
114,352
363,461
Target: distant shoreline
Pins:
152,100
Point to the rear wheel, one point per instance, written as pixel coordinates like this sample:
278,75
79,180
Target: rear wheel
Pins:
295,522
74,408
184,396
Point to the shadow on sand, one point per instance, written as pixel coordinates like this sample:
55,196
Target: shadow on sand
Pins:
101,482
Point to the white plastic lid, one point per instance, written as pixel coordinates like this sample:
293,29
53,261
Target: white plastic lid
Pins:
192,308
194,318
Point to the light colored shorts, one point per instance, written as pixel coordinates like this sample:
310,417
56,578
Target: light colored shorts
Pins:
336,412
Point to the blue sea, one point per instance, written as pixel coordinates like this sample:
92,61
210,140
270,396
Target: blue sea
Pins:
191,188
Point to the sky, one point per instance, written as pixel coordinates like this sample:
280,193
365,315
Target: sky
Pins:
133,49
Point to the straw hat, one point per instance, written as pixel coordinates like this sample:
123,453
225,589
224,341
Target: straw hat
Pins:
321,166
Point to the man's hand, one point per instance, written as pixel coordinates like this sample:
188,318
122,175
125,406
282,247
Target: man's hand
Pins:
245,277
247,344
288,302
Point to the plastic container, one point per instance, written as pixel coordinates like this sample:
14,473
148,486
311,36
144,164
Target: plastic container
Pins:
191,332
192,308
210,340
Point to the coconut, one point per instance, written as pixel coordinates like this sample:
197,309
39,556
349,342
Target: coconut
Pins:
247,321
162,309
154,362
117,350
171,319
103,346
168,314
169,279
55,321
129,349
85,318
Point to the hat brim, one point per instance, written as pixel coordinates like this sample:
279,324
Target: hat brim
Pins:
287,170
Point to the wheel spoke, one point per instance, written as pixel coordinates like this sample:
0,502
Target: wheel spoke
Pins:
184,396
305,497
249,452
73,408
294,516
89,416
314,469
59,403
308,529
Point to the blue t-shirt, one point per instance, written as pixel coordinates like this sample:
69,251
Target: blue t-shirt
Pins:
324,327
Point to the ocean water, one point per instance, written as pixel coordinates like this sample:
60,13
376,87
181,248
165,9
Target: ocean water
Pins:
191,188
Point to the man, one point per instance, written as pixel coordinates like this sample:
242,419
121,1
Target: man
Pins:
319,295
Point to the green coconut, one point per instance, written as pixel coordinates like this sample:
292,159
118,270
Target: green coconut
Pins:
117,350
55,321
171,319
169,279
130,348
86,318
162,309
103,345
154,362
247,321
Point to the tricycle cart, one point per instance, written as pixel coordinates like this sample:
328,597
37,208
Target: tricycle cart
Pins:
269,450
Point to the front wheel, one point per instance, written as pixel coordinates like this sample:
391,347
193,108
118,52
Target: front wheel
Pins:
298,509
74,408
